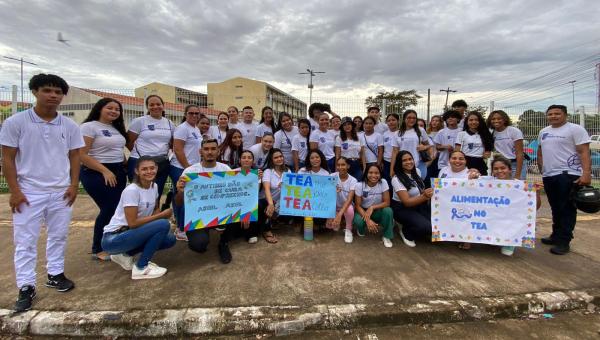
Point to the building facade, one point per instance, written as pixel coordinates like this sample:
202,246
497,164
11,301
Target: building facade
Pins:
172,94
241,92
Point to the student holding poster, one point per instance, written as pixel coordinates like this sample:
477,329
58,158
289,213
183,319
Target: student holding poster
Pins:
248,229
411,199
502,169
198,239
345,196
268,206
372,204
324,140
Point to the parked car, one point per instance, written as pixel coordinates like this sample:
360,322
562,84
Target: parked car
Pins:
531,151
595,144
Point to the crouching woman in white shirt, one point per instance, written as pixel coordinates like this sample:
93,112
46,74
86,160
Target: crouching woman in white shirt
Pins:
138,226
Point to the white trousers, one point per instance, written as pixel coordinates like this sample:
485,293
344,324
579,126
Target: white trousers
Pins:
53,209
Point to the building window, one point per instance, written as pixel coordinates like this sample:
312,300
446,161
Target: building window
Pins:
240,97
238,86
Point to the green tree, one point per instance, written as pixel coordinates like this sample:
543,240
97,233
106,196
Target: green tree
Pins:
396,101
478,108
531,122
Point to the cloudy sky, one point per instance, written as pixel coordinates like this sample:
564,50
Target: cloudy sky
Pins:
478,48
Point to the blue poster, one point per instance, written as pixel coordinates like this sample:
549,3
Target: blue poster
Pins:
308,195
221,197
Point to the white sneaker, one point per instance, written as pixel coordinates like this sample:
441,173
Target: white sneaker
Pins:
151,271
507,250
359,234
406,241
253,240
348,237
180,235
387,242
123,260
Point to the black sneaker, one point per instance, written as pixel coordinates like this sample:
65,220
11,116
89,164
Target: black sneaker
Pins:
560,249
224,253
547,240
60,282
26,295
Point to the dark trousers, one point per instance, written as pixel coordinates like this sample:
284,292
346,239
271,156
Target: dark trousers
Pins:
178,210
199,239
264,223
432,172
161,175
387,168
355,169
416,221
106,197
331,164
477,163
564,213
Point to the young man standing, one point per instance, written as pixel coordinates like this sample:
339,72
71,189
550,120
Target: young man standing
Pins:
373,111
41,165
198,239
314,112
248,127
563,158
460,106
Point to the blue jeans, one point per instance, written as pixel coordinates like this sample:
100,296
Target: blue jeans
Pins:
106,197
145,239
331,165
416,221
160,180
355,169
523,170
423,168
387,167
564,213
178,210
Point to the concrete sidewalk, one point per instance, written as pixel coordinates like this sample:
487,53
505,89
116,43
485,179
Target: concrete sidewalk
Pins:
304,274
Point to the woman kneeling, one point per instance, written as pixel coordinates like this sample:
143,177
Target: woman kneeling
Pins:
138,226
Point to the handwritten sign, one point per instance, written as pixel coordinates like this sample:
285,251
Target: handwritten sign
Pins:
307,195
222,197
498,212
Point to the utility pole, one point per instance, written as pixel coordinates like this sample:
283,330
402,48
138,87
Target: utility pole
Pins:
312,73
582,117
447,94
21,61
428,104
598,90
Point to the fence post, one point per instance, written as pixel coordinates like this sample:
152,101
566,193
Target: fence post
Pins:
384,108
15,99
144,109
492,106
428,104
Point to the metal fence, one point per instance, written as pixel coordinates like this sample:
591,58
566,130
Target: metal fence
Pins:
530,118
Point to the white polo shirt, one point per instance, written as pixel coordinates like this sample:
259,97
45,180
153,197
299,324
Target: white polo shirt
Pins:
133,196
325,141
262,128
504,141
381,128
559,149
248,131
371,195
197,168
216,133
471,145
388,144
446,136
314,125
42,159
343,189
108,143
154,136
274,179
409,141
283,142
371,143
447,172
300,144
349,148
260,155
192,139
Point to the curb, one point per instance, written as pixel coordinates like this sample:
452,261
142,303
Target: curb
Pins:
283,320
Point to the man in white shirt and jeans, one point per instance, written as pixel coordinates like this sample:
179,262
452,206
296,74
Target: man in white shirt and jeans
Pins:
41,165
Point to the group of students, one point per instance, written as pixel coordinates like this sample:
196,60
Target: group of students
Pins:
382,173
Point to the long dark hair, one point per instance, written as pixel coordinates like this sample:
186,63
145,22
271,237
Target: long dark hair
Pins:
262,118
369,166
306,122
482,130
219,116
228,144
159,98
118,123
403,127
344,135
308,165
269,163
136,178
280,118
403,177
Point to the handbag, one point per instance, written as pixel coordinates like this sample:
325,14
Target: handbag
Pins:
425,156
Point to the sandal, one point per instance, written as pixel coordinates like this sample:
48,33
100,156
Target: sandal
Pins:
464,246
269,237
101,256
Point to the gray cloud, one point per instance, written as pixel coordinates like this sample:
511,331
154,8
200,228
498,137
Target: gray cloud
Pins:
470,45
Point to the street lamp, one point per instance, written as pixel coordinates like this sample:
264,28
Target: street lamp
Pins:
22,62
310,83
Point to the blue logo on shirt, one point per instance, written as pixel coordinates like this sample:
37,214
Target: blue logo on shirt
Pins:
302,144
470,145
151,127
345,146
322,139
386,139
544,135
195,136
106,133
